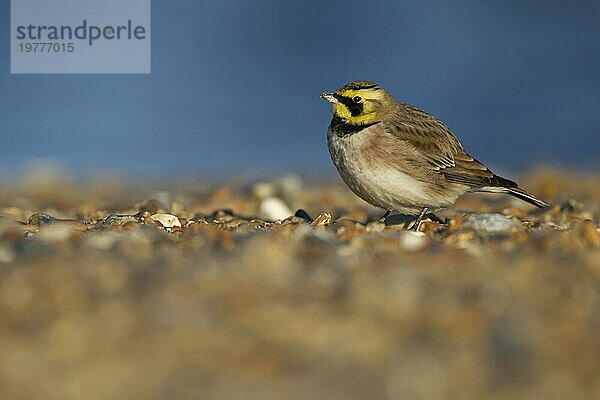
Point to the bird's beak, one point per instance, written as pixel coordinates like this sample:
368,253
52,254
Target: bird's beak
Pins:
329,97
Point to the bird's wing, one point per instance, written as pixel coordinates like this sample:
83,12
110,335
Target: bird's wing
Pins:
435,143
468,171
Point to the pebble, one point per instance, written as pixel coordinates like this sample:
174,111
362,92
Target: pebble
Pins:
41,218
168,221
300,213
413,241
274,209
196,219
118,219
323,220
365,291
490,223
292,220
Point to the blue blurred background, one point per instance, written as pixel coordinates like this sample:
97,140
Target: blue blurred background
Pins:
235,85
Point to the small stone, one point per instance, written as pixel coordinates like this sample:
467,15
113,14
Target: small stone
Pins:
142,216
300,213
299,217
490,223
274,209
41,218
455,223
323,220
168,221
119,219
431,226
413,241
293,220
233,224
196,219
260,224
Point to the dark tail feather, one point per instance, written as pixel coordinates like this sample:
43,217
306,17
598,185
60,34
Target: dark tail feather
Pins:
523,195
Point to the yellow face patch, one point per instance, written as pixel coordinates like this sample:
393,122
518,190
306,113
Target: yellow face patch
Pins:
368,105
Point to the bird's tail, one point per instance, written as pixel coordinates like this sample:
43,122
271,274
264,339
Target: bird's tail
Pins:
528,197
517,192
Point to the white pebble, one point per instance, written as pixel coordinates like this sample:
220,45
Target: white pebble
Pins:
273,209
491,223
168,221
413,241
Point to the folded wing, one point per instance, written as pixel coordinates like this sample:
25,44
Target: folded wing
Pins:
440,148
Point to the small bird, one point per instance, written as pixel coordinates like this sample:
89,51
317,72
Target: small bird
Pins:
401,159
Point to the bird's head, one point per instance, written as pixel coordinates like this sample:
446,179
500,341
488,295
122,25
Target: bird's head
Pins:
358,102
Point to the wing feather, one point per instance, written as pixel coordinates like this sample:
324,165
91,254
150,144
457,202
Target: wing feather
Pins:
440,148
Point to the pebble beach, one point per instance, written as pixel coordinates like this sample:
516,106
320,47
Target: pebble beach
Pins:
284,288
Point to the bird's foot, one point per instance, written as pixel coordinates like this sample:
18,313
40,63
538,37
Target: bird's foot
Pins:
384,216
417,223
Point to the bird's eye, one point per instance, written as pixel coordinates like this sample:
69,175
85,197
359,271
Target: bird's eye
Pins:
356,99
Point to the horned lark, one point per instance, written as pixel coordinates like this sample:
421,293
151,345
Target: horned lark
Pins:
399,158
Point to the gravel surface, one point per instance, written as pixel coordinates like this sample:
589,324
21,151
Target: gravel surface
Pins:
290,289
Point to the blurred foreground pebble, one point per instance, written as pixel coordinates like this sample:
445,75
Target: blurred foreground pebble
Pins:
283,289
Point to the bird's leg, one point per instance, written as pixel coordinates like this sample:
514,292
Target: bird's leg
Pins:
384,216
415,227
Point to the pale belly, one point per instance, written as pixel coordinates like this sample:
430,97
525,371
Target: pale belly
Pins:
384,186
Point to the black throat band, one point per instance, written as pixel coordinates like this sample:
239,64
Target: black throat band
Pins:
342,128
